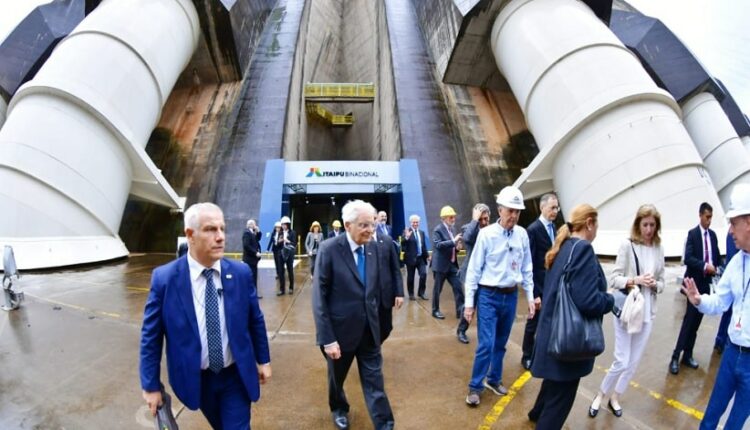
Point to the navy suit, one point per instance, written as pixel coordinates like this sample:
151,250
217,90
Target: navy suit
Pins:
415,261
332,233
444,269
540,243
391,281
345,309
469,234
695,264
250,250
384,229
170,314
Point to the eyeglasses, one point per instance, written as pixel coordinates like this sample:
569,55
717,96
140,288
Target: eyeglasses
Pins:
365,225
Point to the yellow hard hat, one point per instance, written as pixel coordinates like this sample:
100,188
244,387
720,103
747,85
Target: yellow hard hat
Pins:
315,223
337,224
447,211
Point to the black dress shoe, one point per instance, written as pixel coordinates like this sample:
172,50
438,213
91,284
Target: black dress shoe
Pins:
439,315
690,362
291,291
526,363
280,293
593,412
340,420
674,366
462,337
412,298
423,297
617,412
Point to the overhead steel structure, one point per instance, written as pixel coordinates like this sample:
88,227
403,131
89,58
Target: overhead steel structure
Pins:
72,148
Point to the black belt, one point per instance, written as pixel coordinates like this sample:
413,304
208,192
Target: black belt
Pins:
742,349
499,289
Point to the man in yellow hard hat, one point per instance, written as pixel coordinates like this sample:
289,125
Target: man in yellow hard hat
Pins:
445,261
336,229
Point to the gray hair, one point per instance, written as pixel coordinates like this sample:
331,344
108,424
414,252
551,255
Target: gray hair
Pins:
250,222
546,198
482,208
192,214
353,209
414,217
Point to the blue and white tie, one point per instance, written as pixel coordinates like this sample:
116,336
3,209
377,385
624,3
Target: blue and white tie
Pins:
551,231
213,324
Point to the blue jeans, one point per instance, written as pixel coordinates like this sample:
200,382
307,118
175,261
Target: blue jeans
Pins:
495,315
733,379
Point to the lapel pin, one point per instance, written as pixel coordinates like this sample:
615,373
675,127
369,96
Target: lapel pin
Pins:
229,276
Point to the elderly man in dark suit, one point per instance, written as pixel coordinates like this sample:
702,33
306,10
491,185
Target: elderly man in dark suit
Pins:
346,300
541,236
701,258
251,248
414,244
206,306
445,262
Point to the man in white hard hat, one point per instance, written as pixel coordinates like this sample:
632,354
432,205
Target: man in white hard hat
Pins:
732,290
500,261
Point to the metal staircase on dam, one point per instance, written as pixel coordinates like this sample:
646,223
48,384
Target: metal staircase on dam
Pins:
317,93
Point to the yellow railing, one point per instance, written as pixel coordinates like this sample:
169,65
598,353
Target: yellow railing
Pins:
364,91
321,113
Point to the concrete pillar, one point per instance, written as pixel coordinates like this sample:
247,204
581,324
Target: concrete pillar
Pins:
72,148
726,159
607,135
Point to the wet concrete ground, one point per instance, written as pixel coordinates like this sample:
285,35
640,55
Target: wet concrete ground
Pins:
69,360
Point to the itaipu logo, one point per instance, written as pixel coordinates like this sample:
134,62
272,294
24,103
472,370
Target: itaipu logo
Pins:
315,171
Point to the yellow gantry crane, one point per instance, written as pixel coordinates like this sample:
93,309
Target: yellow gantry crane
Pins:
317,93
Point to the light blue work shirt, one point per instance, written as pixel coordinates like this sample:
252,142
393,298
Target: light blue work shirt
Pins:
729,292
499,260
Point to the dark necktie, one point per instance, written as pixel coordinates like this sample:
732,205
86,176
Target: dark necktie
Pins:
419,242
705,247
213,324
361,264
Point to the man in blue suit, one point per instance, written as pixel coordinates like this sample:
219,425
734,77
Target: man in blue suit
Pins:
416,256
445,262
346,300
207,307
382,227
702,259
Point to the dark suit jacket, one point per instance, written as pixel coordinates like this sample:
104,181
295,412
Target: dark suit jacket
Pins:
251,246
539,243
469,233
170,313
410,248
342,304
333,233
390,272
388,229
444,246
694,258
588,290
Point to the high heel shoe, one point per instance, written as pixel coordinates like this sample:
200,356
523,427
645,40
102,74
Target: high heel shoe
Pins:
617,412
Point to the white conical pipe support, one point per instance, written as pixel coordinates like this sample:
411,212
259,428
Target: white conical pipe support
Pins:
73,144
607,135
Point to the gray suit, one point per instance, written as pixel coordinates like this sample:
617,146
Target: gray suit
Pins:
346,311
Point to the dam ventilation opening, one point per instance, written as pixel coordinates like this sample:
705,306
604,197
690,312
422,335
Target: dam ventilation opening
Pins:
318,93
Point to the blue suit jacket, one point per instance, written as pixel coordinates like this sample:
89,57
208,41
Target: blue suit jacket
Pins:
444,246
170,315
539,243
342,304
694,258
409,246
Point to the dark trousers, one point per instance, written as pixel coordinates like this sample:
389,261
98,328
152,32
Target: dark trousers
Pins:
277,262
529,334
224,401
385,316
458,293
689,330
370,365
312,264
289,266
254,270
421,269
553,404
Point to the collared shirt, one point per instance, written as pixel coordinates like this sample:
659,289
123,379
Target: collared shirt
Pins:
198,286
547,223
729,292
500,260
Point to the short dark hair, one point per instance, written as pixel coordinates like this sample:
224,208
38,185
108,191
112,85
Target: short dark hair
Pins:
705,207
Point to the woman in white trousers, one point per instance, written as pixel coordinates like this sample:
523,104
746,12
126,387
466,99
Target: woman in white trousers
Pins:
633,330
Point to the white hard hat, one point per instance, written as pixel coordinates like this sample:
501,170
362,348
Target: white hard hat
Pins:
511,197
285,220
739,201
277,224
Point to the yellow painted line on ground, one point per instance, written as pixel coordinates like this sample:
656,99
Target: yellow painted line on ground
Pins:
695,413
499,407
76,307
143,289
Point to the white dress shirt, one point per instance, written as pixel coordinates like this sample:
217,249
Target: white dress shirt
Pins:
198,286
732,291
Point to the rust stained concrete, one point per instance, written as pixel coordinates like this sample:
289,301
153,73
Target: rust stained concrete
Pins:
69,359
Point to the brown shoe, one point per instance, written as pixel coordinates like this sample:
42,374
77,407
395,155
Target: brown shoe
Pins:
472,399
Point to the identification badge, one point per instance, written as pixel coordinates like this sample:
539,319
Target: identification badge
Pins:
738,326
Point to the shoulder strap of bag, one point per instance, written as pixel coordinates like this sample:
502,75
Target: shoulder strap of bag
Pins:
635,256
566,268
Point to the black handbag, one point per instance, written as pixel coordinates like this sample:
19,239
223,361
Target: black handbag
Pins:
164,420
574,337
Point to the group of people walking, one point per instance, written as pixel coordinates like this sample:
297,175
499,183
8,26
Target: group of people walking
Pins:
357,281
